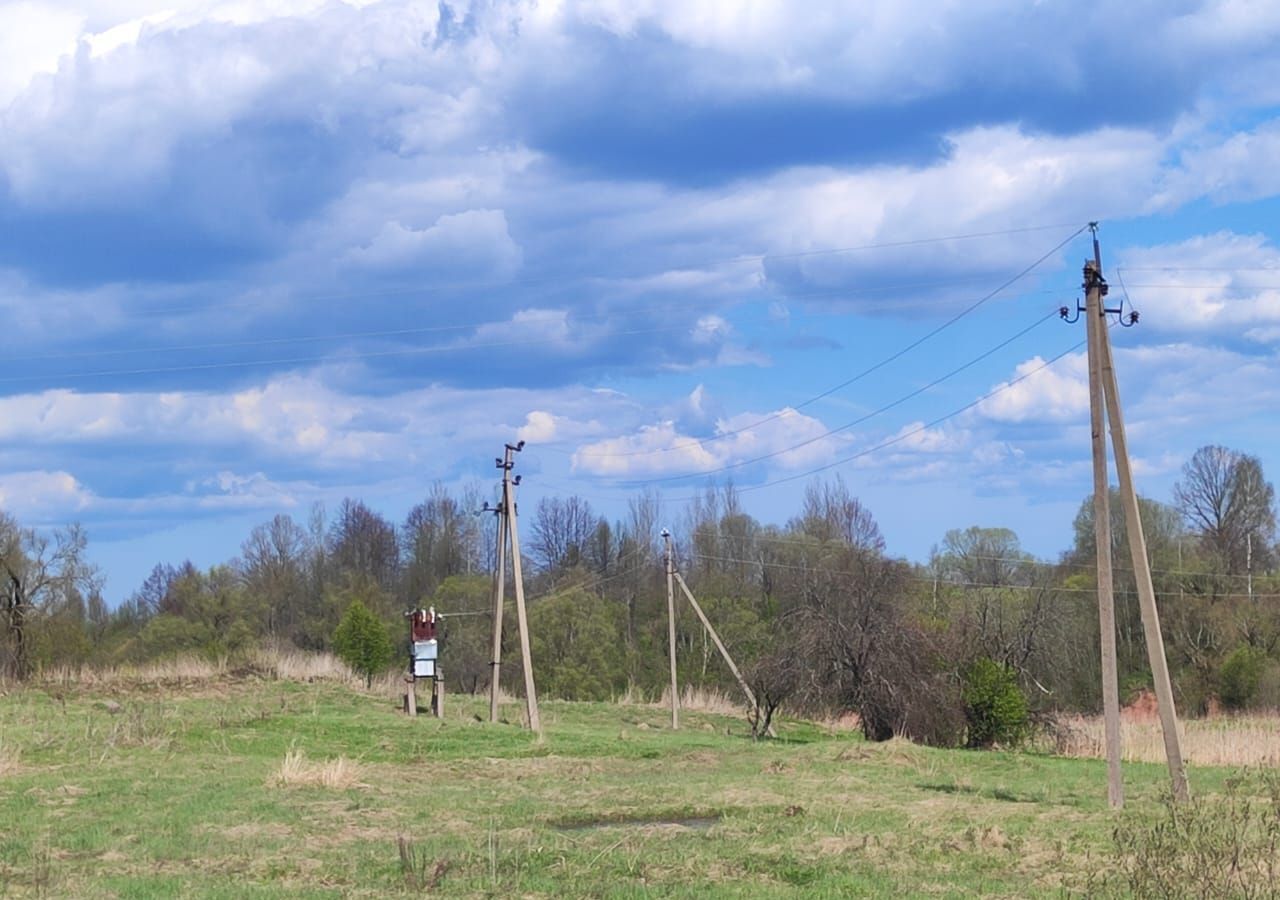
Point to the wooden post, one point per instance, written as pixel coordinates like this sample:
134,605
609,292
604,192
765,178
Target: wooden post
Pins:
437,695
1142,573
411,695
706,623
1102,542
499,591
669,561
530,692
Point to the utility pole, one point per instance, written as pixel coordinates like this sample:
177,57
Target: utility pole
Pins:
512,531
1137,539
710,630
1248,562
499,597
669,562
1102,543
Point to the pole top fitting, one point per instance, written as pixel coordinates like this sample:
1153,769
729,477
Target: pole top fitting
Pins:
664,533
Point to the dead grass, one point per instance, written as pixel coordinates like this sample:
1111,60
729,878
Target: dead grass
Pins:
10,761
1216,741
704,700
335,774
282,664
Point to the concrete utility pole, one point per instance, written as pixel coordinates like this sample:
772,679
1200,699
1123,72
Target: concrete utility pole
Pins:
499,596
706,623
669,562
513,532
1137,540
1102,543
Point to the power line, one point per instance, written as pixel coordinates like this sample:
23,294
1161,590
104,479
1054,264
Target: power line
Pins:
913,432
559,280
296,360
1028,561
888,406
864,373
259,342
1051,589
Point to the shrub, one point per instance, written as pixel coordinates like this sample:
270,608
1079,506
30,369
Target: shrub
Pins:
1221,845
362,642
994,706
1238,676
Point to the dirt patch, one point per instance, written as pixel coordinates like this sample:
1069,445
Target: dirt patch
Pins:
257,830
694,823
1142,708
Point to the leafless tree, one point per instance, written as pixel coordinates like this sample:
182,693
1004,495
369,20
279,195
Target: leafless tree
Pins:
832,513
39,571
562,531
1224,496
274,564
440,538
363,543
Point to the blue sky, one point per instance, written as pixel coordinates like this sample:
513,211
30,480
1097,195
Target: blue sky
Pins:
261,255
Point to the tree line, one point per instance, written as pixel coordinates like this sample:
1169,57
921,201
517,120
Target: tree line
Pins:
818,614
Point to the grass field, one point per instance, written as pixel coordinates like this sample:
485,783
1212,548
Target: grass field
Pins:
241,785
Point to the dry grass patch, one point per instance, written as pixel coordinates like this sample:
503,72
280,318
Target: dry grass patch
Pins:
10,761
1216,741
704,700
336,774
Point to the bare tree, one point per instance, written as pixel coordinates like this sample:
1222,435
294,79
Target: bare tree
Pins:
39,571
364,543
832,513
562,532
1225,497
440,538
274,566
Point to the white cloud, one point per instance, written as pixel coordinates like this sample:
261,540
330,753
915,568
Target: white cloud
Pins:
33,37
1056,393
476,240
39,496
1221,282
662,450
538,426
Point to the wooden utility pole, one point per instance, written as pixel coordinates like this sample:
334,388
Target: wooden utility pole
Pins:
517,575
499,597
670,563
720,645
1102,542
1138,545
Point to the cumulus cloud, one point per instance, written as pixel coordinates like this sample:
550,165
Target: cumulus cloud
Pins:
1216,283
1056,393
41,496
787,438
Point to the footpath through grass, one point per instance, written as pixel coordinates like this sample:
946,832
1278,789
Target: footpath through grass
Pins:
183,790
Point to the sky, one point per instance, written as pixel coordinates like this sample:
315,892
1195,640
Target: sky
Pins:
259,254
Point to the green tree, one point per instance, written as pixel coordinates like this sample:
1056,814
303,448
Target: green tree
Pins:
577,646
362,642
1239,675
994,705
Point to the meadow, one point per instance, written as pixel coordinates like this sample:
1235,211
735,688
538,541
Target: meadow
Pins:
291,780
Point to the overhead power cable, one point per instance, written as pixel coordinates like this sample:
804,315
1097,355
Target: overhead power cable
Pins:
561,280
331,358
685,445
1013,561
899,438
858,421
1045,588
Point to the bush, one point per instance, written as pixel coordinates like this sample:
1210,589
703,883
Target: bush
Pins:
1238,676
994,706
362,642
1221,845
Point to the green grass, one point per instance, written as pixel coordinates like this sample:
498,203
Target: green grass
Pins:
174,795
